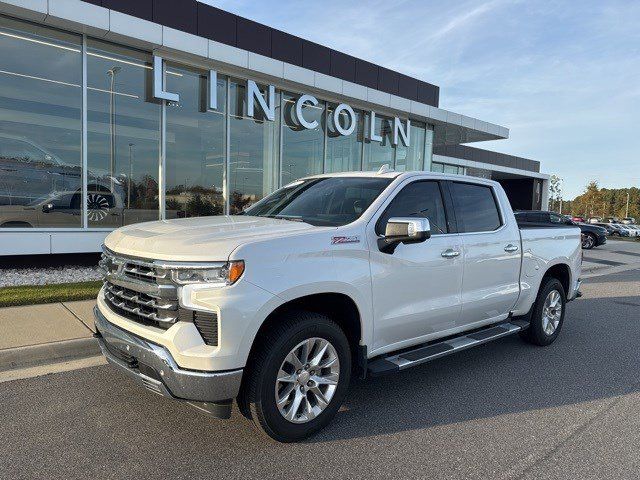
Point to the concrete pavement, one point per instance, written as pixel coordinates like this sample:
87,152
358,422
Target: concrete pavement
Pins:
34,334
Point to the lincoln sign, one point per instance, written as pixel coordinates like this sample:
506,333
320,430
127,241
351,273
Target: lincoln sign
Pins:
343,116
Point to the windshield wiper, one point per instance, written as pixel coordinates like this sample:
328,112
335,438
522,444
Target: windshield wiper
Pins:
291,218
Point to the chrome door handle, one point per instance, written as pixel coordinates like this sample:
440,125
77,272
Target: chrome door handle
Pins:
511,248
450,253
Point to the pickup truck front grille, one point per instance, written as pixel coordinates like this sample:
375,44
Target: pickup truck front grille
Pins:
140,307
143,292
135,269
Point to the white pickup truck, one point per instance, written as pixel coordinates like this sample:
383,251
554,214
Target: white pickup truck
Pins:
328,277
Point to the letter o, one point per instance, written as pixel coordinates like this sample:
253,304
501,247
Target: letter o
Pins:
352,119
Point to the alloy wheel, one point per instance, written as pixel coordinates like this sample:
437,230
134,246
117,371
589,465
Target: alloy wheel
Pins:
307,380
587,241
551,312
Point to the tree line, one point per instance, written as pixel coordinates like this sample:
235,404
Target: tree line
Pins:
600,202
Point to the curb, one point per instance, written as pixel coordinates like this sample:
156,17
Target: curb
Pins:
33,355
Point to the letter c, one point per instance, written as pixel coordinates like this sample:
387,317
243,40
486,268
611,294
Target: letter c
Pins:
299,103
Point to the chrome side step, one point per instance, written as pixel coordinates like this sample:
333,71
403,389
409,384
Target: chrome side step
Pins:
407,359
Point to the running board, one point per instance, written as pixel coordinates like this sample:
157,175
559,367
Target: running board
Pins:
407,359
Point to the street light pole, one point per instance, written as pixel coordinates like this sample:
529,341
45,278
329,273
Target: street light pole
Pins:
561,194
627,214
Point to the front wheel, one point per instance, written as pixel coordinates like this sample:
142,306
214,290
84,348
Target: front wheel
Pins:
298,378
548,312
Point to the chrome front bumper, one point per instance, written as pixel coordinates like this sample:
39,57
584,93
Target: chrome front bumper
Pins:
154,368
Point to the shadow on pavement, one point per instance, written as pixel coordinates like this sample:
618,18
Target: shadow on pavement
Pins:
596,356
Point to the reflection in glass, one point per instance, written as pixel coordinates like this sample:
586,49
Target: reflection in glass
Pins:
302,148
253,165
411,158
40,126
344,153
122,137
377,154
195,146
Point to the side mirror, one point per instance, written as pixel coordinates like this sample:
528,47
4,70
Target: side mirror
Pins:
403,230
47,207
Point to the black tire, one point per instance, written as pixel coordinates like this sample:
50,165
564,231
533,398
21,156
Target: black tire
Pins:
257,398
536,333
589,241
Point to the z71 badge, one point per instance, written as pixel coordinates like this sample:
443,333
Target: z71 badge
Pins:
341,240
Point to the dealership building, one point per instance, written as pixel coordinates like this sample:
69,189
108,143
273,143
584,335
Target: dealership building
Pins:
118,111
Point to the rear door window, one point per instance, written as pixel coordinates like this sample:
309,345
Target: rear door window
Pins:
476,208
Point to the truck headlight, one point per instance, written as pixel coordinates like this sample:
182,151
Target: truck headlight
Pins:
226,274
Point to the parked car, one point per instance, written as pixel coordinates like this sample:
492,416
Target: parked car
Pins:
631,231
592,235
629,221
331,275
618,231
578,219
636,228
610,230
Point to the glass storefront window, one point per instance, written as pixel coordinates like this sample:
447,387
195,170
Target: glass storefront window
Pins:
302,148
437,167
123,136
195,158
428,148
41,137
40,127
253,163
411,158
451,169
377,154
445,168
344,153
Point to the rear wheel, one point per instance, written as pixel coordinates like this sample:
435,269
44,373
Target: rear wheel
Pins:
548,312
588,241
299,377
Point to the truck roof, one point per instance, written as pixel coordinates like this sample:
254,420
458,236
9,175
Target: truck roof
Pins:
393,174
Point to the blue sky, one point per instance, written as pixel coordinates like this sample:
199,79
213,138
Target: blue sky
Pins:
564,76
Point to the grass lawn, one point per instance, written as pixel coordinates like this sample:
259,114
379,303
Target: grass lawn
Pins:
34,294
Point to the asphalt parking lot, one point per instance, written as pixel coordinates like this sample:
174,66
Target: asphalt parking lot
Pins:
615,255
504,410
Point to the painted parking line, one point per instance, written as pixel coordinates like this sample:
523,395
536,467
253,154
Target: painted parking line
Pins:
611,263
622,252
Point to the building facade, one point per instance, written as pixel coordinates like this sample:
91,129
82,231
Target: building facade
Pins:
114,112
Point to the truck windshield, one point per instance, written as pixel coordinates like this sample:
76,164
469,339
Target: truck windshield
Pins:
326,201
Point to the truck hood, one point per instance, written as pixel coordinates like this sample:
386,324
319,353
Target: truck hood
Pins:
197,239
